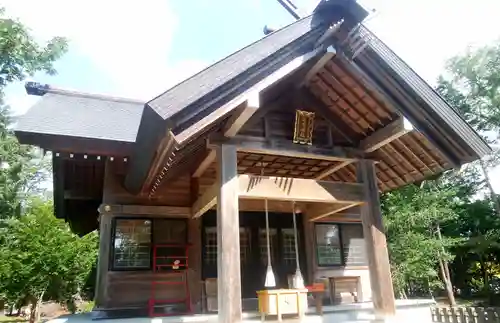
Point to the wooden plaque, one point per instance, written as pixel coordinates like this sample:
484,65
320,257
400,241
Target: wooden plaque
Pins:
304,126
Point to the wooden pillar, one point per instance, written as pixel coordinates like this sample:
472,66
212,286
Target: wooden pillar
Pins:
376,244
105,223
310,254
100,298
228,237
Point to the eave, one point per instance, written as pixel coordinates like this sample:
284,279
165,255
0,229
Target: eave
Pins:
418,101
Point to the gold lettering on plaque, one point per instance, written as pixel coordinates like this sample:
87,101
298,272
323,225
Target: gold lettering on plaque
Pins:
304,126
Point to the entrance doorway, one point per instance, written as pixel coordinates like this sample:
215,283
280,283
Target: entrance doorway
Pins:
253,249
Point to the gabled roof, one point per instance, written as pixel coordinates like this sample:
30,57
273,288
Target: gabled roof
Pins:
109,122
213,92
197,97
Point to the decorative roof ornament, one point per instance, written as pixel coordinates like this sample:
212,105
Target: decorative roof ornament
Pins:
345,14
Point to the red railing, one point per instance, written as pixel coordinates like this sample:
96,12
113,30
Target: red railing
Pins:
174,264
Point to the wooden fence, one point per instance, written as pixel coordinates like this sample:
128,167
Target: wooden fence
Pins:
465,314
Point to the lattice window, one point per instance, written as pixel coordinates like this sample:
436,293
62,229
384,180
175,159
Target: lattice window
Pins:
167,231
245,244
132,244
211,245
263,244
288,246
329,250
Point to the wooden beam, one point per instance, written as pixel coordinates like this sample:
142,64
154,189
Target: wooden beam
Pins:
160,210
338,218
329,171
205,163
228,237
167,146
376,140
76,195
386,135
242,115
376,244
330,53
205,202
184,136
285,189
298,190
318,211
286,148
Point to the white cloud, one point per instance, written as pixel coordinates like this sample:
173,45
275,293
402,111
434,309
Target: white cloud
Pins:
129,41
427,32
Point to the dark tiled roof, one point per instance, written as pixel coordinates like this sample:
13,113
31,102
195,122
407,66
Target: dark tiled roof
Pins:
72,114
187,92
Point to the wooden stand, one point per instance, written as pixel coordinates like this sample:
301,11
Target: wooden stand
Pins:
317,290
282,301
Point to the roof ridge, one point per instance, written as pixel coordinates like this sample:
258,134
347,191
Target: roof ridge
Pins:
38,89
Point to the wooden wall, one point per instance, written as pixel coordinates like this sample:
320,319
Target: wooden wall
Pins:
132,289
124,289
316,273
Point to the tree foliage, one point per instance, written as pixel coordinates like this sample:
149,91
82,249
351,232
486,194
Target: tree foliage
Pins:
461,201
412,215
40,256
472,85
21,55
21,169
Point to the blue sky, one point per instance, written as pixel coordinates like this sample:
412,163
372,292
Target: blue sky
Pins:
139,49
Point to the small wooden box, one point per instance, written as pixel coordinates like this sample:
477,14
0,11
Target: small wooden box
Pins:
282,301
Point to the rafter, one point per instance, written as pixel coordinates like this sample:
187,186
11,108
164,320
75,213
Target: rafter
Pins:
376,140
329,54
386,135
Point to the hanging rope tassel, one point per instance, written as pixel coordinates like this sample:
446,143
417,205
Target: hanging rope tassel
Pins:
270,279
298,280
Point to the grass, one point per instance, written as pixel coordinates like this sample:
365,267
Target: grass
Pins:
11,319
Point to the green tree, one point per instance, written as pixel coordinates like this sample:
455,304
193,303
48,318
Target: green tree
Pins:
40,258
20,56
413,216
472,85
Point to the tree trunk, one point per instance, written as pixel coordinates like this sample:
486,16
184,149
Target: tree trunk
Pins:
35,308
445,272
484,272
403,293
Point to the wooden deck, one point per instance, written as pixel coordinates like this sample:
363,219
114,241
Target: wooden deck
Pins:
409,311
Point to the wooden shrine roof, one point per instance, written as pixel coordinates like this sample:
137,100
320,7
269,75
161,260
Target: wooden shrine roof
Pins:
361,89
